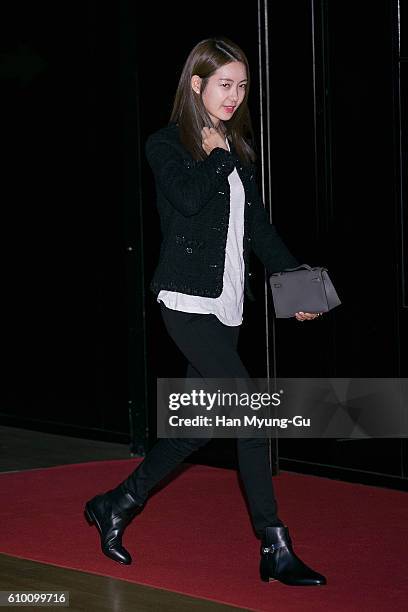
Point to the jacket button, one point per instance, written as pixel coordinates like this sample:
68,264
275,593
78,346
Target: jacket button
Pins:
189,250
249,203
213,266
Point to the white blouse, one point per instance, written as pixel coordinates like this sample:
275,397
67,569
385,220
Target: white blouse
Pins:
228,307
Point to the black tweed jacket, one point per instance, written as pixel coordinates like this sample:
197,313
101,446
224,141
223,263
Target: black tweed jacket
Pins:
193,200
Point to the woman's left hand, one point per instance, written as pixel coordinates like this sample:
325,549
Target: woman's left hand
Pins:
307,316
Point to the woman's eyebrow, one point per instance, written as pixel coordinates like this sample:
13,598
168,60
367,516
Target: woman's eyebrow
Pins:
231,80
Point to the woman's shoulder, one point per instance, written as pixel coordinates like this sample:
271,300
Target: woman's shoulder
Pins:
169,133
166,142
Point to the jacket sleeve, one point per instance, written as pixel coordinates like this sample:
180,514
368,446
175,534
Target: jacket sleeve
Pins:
267,244
187,189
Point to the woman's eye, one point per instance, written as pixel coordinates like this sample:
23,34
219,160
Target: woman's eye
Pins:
227,85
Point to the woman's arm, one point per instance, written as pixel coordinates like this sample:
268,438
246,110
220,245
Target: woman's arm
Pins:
188,189
268,246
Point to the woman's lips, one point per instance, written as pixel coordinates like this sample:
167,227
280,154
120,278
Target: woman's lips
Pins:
229,109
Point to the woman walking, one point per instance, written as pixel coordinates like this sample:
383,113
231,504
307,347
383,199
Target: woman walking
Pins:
211,216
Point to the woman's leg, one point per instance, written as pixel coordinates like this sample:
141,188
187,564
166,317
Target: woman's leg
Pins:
211,350
256,473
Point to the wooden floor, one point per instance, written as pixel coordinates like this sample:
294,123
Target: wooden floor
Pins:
22,449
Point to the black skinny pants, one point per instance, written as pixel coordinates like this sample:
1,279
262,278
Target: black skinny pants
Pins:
211,350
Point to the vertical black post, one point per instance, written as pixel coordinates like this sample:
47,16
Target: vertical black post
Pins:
133,231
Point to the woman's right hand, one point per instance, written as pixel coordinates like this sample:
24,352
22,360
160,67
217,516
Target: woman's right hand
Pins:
212,139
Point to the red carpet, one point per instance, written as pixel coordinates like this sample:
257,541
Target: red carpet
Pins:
188,540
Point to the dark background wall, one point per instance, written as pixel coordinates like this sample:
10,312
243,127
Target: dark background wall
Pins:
82,87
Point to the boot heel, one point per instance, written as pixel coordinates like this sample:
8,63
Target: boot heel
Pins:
266,578
88,516
265,574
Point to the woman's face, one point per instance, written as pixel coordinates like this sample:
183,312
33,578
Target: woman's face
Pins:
224,91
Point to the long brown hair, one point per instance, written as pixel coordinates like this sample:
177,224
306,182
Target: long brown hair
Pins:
189,111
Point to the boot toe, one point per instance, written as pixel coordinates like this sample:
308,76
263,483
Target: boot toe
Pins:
118,554
304,580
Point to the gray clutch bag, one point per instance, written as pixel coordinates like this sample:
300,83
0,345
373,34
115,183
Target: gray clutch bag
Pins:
303,289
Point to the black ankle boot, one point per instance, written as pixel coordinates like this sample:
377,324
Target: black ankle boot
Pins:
111,513
279,562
